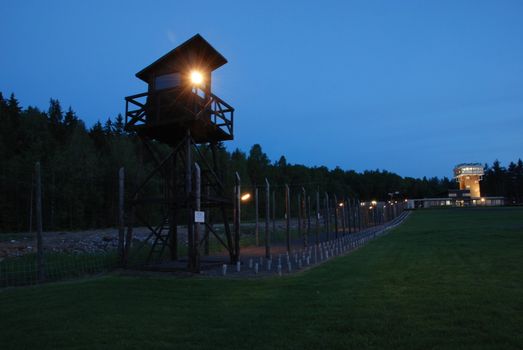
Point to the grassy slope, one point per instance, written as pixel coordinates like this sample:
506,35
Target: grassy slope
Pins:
445,279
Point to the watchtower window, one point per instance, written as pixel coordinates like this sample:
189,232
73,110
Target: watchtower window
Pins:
167,81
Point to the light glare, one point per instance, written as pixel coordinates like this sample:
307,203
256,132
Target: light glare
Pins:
196,77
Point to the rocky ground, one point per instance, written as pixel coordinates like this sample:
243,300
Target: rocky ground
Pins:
75,242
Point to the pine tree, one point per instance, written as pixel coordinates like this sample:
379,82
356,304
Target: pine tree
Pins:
108,127
257,165
119,125
70,120
54,112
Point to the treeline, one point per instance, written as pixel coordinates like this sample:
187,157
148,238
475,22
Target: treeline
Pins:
506,182
79,169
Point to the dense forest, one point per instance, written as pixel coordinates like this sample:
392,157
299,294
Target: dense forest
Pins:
80,164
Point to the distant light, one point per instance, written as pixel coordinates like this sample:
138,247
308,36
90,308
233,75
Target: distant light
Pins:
483,199
374,202
341,204
245,197
196,77
406,200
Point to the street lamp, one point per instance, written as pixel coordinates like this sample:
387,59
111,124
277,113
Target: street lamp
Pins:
245,197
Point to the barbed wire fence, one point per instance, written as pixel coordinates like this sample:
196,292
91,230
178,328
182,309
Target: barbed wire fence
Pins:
296,219
275,220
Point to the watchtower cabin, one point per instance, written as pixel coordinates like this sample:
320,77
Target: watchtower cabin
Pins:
180,110
179,97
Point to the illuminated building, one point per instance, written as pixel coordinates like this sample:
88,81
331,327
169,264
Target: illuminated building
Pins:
469,175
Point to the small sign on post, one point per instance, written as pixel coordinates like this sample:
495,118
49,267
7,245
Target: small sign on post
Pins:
199,217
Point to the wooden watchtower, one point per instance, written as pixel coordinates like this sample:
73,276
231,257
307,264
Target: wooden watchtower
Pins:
180,110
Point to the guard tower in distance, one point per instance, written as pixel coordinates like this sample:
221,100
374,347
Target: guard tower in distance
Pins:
179,110
469,175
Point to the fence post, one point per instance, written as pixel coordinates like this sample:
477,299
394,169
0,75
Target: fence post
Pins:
299,215
208,219
308,209
197,207
121,213
354,214
31,194
335,217
343,226
317,217
267,219
349,219
173,211
288,217
303,210
274,212
40,263
237,221
256,216
359,213
327,216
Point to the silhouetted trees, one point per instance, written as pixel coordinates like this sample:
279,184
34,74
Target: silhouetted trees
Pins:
80,164
506,182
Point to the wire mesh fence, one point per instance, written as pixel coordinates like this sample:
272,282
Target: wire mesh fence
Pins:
273,219
283,220
24,270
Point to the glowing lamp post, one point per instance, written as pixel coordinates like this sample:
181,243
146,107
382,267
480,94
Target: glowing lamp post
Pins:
245,197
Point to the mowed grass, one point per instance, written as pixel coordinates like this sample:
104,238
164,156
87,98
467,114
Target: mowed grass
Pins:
449,278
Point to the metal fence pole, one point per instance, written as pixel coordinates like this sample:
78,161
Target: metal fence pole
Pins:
40,263
288,217
121,213
267,219
256,216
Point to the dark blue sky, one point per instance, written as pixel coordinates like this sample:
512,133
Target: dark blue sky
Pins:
413,87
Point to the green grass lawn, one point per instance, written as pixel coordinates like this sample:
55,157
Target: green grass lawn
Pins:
449,278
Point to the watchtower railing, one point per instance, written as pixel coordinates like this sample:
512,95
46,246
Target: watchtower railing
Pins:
221,113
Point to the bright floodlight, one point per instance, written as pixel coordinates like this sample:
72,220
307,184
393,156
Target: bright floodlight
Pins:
196,77
245,197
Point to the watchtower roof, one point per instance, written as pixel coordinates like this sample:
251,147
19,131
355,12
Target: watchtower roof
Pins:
465,169
461,165
196,50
